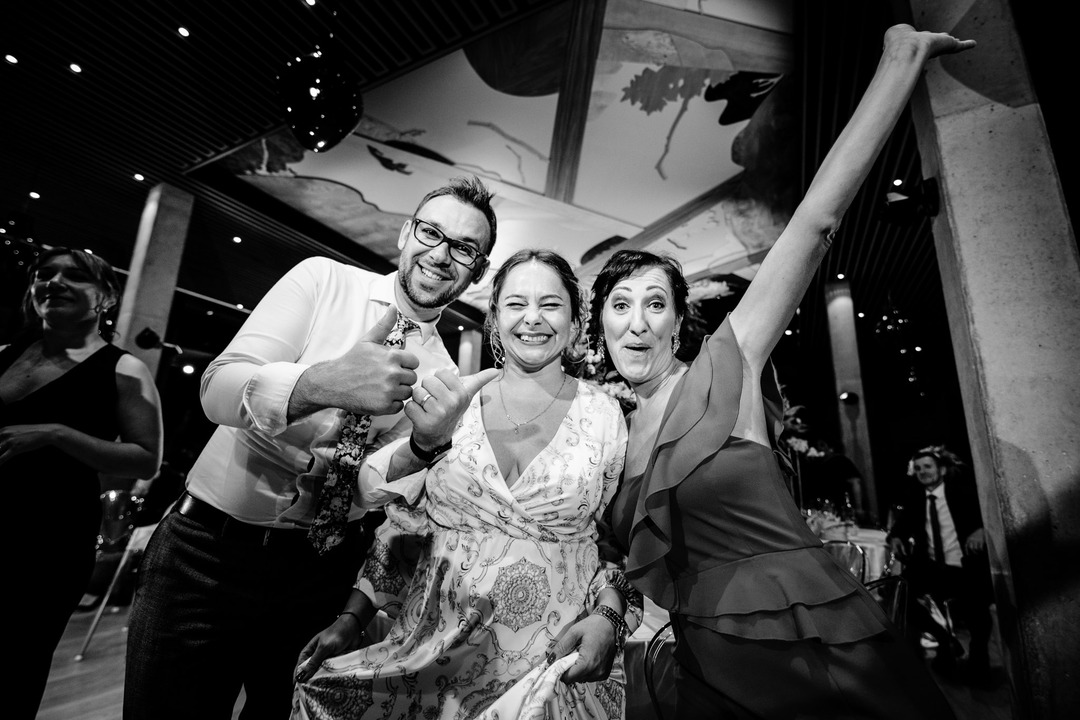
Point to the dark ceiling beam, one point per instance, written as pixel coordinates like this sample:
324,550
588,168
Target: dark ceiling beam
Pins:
657,229
337,245
572,110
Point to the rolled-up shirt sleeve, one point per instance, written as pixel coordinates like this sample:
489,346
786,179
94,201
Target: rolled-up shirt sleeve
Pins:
249,384
376,490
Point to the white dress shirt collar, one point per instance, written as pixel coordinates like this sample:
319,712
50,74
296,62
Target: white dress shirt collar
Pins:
383,292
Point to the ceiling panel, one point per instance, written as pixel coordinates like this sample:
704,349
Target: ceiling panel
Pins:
152,102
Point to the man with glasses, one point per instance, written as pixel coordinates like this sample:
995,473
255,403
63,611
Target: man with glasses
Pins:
235,580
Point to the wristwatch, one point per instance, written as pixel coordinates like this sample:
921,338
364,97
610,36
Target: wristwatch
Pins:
622,630
429,457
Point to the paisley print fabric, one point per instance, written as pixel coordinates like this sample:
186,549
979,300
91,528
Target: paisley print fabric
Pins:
502,571
332,505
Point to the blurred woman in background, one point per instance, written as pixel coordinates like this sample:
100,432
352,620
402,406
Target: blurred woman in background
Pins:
71,406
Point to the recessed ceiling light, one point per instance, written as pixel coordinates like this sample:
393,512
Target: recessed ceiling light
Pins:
75,68
12,59
239,306
236,239
36,196
183,31
139,177
897,182
88,251
862,314
188,369
839,276
787,332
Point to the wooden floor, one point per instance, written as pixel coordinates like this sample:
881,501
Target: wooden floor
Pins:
92,688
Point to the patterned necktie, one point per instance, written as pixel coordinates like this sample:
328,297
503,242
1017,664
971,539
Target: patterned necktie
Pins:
332,506
935,527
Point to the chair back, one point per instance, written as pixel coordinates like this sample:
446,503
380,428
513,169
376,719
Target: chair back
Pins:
891,592
659,672
849,555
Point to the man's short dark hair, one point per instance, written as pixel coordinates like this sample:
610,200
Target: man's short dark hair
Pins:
470,191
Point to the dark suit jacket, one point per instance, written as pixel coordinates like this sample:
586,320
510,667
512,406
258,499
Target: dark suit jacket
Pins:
962,498
963,501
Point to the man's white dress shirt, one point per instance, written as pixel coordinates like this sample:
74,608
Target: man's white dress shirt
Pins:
258,467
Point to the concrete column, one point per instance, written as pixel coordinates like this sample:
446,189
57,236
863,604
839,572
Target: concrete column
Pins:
469,351
850,401
155,263
1011,277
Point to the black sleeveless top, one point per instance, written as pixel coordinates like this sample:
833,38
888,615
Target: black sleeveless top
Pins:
84,398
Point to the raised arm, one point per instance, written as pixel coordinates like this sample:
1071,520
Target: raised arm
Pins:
249,384
769,303
261,382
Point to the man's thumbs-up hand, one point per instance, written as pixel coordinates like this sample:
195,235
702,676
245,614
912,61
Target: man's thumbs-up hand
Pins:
369,379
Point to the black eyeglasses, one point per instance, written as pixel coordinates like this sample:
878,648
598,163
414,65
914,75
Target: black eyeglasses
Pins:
460,252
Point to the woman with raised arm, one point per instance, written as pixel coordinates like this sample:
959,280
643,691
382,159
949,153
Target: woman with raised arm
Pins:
72,405
510,610
767,625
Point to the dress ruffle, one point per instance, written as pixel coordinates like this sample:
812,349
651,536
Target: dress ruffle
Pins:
698,419
790,593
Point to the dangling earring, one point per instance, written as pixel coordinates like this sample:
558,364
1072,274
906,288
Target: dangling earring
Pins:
600,357
497,350
674,342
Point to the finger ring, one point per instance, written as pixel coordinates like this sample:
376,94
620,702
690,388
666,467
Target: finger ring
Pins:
426,398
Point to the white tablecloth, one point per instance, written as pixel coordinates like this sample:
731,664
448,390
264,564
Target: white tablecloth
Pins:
873,543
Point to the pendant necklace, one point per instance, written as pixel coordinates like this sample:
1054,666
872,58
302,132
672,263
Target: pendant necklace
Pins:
518,425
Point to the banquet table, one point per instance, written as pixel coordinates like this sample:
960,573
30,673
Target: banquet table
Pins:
873,543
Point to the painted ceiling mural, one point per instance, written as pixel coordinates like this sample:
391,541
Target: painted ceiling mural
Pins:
688,145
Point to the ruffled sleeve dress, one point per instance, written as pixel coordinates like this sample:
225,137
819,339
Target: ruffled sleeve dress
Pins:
767,624
712,530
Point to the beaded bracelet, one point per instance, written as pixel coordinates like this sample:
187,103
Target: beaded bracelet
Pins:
618,582
622,630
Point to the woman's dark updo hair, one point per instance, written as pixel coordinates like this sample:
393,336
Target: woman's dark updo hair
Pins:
103,276
622,265
574,354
